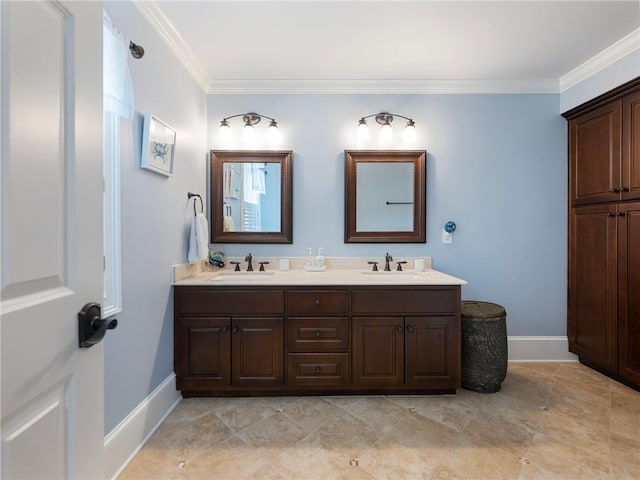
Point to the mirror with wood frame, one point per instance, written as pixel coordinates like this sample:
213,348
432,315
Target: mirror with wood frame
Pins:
251,196
385,196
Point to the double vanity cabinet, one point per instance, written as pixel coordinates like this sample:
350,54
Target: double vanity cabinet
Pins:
288,338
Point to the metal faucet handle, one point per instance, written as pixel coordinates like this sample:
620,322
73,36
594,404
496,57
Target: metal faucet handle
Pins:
262,264
399,269
237,264
375,266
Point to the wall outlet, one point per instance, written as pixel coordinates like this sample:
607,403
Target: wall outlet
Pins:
447,238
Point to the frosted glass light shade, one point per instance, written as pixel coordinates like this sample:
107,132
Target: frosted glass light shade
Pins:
409,134
273,134
386,135
248,135
225,132
363,132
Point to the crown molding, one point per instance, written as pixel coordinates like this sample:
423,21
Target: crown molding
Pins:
602,60
185,56
381,86
174,41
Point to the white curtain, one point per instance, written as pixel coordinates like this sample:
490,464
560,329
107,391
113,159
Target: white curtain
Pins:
118,89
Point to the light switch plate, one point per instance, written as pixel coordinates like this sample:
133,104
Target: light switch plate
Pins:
447,238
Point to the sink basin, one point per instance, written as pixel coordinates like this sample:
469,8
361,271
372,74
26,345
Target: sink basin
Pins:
391,276
242,276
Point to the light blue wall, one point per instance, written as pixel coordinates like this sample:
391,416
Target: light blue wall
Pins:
625,69
497,165
155,219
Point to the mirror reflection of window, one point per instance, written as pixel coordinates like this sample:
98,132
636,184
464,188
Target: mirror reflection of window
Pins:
270,202
384,196
231,190
251,197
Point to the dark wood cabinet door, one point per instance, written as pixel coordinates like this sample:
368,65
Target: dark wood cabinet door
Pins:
257,352
378,351
629,292
595,140
432,352
203,353
592,315
631,146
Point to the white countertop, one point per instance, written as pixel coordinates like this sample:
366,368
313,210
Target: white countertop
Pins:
345,277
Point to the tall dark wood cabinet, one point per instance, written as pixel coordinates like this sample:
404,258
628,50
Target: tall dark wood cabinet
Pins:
629,292
631,145
594,140
604,233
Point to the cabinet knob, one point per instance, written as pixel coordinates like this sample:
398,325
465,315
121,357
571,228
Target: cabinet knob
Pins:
611,214
225,329
317,301
318,370
235,329
318,333
621,214
615,190
399,328
624,189
410,328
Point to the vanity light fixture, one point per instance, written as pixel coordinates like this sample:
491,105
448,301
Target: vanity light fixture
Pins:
248,133
386,135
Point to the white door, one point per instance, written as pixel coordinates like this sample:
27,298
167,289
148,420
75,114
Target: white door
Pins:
52,408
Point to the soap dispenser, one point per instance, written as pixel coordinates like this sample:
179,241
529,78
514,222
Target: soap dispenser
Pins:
308,263
319,260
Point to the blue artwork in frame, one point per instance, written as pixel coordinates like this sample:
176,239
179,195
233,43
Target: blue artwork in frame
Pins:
158,146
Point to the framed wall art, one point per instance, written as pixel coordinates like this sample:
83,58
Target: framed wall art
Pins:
158,146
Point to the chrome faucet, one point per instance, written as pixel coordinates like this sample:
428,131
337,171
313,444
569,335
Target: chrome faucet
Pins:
387,258
249,259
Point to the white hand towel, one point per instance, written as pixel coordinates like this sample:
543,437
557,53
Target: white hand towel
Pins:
258,182
199,239
228,224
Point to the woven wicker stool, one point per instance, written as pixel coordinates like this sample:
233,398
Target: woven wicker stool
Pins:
484,346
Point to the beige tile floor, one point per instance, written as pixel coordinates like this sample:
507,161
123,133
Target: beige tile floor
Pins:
549,421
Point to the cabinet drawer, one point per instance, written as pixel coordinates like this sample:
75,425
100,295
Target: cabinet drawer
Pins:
318,369
315,302
318,334
192,301
401,301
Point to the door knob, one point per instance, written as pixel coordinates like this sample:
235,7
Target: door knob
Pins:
91,327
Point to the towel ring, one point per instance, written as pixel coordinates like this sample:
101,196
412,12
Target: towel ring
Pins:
189,196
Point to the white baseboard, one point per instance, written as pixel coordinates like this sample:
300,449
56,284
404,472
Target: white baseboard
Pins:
539,349
124,441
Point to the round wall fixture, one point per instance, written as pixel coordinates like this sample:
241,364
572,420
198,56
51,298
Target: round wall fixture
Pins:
450,226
